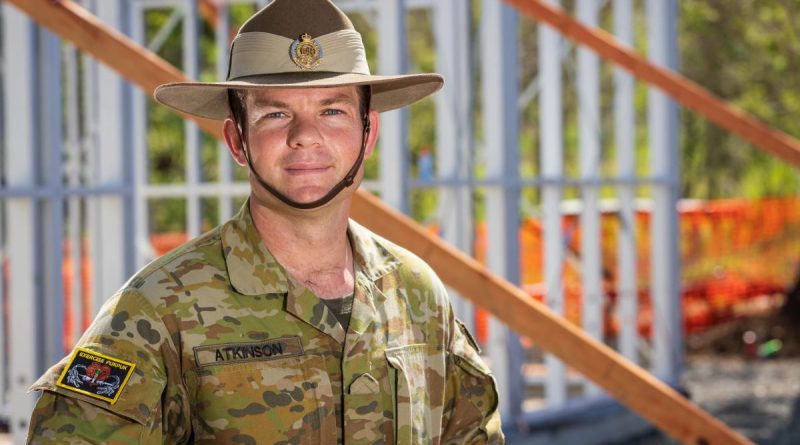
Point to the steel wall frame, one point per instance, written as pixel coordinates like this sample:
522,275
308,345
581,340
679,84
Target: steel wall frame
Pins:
47,180
454,141
662,119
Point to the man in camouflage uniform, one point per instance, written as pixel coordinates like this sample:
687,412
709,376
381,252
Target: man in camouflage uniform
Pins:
290,323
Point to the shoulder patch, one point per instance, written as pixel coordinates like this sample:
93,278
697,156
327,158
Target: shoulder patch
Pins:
95,375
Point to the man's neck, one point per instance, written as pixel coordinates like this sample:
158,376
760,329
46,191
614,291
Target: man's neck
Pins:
311,245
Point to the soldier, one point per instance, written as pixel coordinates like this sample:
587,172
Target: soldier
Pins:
290,323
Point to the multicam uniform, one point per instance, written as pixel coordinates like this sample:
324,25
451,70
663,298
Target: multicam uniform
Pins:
218,344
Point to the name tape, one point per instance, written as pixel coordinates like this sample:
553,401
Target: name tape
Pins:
271,349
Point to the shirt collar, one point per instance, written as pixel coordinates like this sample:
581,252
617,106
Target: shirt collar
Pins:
370,255
251,267
254,271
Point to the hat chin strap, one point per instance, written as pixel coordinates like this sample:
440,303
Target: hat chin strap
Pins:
344,183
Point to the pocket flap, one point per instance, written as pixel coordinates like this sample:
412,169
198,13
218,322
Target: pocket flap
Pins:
466,353
364,384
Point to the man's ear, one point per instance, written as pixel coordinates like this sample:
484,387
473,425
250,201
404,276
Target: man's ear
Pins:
233,138
372,137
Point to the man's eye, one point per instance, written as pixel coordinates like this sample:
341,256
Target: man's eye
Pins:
275,115
332,112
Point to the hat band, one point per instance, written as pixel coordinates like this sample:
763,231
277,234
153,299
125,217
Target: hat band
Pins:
256,53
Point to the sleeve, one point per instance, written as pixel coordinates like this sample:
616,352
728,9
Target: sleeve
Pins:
59,418
471,414
120,384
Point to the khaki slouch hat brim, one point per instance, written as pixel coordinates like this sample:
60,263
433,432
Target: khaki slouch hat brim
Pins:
297,44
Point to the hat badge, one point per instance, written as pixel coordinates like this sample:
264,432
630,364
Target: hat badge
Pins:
306,52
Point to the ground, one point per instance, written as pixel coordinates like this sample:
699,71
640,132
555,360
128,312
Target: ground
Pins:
756,394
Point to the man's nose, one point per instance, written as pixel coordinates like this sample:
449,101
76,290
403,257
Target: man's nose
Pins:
303,133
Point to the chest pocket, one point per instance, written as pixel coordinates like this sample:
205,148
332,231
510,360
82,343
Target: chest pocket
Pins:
420,380
273,401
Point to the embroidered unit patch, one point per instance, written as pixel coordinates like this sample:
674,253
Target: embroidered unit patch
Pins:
95,375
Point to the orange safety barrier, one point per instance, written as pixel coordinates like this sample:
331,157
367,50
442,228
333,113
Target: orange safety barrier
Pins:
68,273
734,252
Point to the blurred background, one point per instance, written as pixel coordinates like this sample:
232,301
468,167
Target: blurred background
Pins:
669,238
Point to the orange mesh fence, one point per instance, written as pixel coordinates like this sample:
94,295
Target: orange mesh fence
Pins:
735,254
69,271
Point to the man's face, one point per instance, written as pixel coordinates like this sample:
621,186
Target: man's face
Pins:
304,141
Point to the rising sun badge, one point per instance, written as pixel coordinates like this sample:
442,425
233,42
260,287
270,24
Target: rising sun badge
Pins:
306,52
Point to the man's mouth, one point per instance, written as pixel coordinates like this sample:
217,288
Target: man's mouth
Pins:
299,169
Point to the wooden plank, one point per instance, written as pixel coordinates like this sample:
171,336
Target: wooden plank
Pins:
210,10
630,384
686,92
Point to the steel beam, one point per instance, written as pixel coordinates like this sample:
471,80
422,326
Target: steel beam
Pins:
625,137
662,122
453,135
393,59
4,350
49,122
72,149
224,158
551,157
143,250
501,156
590,152
191,66
110,230
21,215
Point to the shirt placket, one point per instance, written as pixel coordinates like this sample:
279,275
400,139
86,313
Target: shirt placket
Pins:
367,394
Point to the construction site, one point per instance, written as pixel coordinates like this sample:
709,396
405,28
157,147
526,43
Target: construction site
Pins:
545,184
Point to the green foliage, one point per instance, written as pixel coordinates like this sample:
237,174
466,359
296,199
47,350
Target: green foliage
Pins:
167,215
747,53
165,142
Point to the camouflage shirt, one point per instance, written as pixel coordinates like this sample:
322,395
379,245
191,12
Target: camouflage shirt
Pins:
215,343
